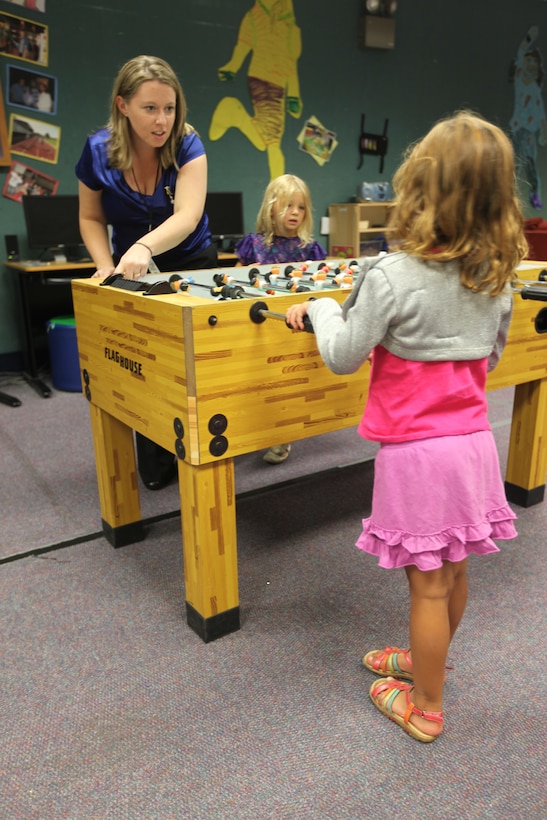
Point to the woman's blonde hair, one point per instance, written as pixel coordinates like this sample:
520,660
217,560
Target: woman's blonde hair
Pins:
280,191
130,77
456,198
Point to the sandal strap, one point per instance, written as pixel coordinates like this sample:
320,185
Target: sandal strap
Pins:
411,709
391,687
387,659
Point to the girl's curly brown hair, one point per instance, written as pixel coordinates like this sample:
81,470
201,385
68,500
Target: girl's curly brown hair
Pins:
456,198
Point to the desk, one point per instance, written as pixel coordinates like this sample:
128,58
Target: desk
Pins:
203,380
45,292
226,260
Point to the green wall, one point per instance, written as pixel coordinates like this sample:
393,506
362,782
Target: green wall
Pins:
447,55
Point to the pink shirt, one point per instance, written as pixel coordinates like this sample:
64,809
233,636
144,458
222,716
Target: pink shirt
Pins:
411,400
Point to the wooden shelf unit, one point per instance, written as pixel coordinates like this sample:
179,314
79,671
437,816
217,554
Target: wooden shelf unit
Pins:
351,224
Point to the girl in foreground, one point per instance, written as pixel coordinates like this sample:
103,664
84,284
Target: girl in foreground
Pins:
435,316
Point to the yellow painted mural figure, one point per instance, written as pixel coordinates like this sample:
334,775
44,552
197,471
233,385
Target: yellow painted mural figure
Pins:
270,32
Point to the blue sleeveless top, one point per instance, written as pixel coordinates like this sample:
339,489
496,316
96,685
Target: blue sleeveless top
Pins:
132,214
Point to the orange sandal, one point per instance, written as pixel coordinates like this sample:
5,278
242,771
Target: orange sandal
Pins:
385,663
383,693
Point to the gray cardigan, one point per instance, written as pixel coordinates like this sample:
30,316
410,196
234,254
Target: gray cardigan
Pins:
416,310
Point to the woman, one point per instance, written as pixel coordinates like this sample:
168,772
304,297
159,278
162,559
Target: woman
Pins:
145,175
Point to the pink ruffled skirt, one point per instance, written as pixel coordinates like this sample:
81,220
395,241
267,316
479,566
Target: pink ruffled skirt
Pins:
434,500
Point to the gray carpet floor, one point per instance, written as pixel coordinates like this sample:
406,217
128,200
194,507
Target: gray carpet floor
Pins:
48,468
113,708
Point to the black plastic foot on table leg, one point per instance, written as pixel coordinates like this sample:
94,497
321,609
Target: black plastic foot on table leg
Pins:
122,536
524,497
209,629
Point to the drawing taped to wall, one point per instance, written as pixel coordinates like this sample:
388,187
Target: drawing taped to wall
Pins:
269,32
317,141
528,124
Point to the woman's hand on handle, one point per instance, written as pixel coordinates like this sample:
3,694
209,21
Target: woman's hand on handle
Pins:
135,261
102,273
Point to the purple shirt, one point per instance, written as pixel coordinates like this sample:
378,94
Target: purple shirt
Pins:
253,250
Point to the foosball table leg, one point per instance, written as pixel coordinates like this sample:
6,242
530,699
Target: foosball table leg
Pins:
527,459
117,478
209,536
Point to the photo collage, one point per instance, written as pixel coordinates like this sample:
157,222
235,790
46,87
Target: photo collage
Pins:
29,134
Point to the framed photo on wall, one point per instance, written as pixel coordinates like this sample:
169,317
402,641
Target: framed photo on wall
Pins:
31,90
5,158
33,138
23,39
34,5
22,179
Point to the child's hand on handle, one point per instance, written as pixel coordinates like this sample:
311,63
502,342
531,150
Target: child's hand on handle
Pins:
295,316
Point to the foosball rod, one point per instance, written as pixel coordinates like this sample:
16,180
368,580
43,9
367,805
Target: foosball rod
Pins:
178,283
344,279
260,312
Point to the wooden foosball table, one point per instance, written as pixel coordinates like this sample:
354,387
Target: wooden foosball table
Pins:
211,378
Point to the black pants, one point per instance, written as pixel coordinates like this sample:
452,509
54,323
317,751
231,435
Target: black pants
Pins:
156,464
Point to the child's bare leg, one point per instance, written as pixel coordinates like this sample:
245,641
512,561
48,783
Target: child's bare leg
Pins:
458,598
430,632
456,607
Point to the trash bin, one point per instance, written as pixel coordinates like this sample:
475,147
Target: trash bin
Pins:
63,354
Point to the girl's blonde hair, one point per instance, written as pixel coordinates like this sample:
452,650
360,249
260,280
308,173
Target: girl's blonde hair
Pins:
130,77
456,198
281,190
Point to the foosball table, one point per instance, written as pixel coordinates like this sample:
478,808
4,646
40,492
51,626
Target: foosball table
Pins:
203,364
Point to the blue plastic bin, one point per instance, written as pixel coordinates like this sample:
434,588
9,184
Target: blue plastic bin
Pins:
63,354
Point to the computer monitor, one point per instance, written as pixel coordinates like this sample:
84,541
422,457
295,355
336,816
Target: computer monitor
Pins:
225,212
53,226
